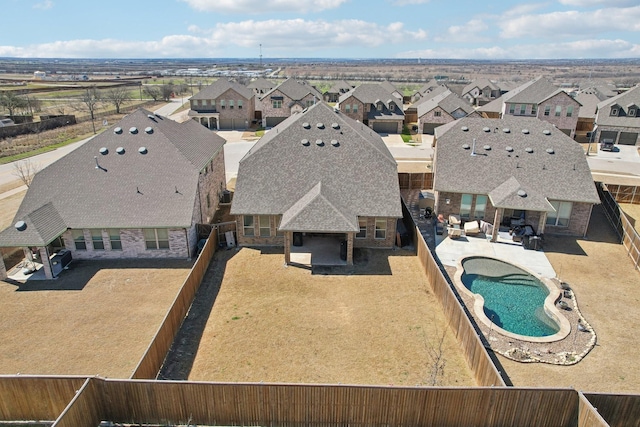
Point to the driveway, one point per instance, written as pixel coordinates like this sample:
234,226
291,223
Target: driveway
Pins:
621,167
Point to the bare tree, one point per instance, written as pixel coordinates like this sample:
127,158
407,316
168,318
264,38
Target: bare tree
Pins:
90,102
438,361
167,90
153,91
32,105
117,96
25,171
12,102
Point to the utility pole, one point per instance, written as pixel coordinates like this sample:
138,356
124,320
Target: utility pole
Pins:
260,55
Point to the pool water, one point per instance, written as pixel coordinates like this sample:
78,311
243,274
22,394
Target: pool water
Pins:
514,301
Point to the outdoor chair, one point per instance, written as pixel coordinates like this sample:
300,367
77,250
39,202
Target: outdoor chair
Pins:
471,228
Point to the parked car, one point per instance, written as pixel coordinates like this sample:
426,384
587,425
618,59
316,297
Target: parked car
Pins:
607,145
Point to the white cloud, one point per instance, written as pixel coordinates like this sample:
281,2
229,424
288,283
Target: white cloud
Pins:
469,32
262,6
608,3
43,5
409,2
572,23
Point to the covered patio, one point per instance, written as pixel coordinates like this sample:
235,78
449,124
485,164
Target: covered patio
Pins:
319,250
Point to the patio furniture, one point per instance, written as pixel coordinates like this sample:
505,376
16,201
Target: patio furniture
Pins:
454,220
471,228
454,231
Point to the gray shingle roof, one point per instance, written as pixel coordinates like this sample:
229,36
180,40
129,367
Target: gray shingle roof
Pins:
220,86
319,187
294,89
630,97
562,175
261,83
369,93
129,190
532,92
340,86
429,94
494,106
43,225
480,84
446,100
589,102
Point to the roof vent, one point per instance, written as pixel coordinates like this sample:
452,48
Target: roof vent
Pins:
335,142
487,147
464,128
509,148
546,132
335,125
305,142
522,193
525,131
306,125
148,130
120,150
319,142
529,150
466,146
152,117
486,129
104,151
506,130
320,125
550,150
21,226
117,131
133,130
142,150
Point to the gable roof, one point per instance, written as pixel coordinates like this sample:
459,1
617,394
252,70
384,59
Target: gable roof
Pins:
370,93
480,84
220,86
88,189
589,104
320,170
294,89
389,87
339,86
507,166
261,83
448,101
429,94
625,99
531,92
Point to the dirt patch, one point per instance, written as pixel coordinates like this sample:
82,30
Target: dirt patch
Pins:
96,318
372,324
633,213
608,291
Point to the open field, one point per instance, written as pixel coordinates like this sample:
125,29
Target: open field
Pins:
276,324
607,289
96,318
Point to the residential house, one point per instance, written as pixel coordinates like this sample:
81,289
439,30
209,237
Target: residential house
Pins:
537,98
482,91
618,118
442,108
514,168
224,104
375,106
260,86
338,88
323,174
586,116
137,190
392,89
411,111
289,97
426,89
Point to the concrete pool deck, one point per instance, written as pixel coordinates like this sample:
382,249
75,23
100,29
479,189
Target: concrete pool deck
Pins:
449,251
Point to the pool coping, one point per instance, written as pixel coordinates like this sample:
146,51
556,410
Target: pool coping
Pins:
555,293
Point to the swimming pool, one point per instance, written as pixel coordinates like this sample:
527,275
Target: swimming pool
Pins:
512,300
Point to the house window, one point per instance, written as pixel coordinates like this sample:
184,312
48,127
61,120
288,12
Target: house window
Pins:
523,109
437,113
239,104
392,107
248,225
213,104
381,228
114,238
355,108
265,226
632,112
347,108
379,106
362,234
96,238
512,108
231,104
276,103
309,103
222,104
570,111
547,110
156,238
534,109
614,111
558,110
78,239
465,205
562,214
481,207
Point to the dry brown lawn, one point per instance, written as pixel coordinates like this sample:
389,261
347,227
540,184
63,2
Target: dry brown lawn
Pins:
274,323
8,208
96,318
607,289
633,213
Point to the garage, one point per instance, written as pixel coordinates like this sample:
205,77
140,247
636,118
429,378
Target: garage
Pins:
429,128
628,138
608,134
273,121
385,127
234,124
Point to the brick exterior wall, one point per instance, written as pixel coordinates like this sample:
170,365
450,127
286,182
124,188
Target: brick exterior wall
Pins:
266,105
133,245
361,115
578,223
212,184
600,129
369,242
430,117
246,113
562,122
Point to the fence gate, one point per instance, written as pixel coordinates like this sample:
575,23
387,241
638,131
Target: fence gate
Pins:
226,234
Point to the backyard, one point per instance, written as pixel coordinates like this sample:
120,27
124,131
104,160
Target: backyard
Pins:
377,324
96,318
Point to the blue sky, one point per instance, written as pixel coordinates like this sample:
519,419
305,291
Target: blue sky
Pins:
321,28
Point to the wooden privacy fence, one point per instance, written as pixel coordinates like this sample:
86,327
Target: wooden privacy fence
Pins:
619,410
74,402
151,362
625,193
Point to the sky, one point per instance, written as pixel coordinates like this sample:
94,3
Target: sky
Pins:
462,29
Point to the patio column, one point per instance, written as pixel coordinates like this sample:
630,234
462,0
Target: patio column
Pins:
349,248
496,224
46,262
3,269
542,222
287,247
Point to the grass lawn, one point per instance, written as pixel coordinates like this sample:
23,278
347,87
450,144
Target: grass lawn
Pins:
96,318
274,323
